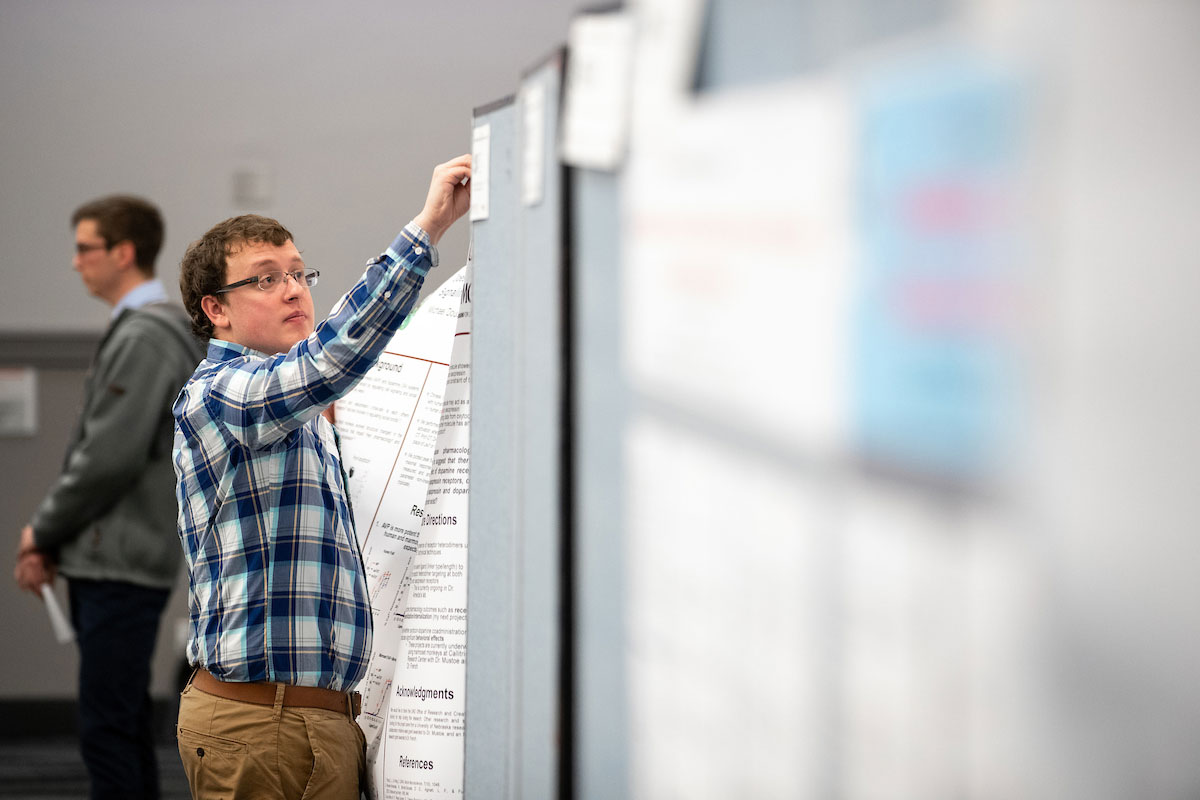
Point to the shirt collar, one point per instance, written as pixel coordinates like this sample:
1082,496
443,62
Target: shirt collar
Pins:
221,350
150,291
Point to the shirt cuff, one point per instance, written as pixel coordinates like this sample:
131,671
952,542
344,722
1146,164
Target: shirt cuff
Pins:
415,235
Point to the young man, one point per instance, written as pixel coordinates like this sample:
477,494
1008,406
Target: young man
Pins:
108,522
281,624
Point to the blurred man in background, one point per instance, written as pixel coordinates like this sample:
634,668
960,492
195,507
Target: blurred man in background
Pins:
108,522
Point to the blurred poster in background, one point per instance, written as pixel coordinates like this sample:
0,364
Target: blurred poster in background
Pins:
911,369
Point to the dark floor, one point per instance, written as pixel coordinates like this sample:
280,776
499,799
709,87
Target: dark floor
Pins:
51,769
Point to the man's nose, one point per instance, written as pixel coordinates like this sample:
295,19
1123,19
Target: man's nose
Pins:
292,286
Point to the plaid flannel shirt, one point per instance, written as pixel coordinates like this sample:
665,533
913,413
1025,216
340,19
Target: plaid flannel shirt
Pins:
277,590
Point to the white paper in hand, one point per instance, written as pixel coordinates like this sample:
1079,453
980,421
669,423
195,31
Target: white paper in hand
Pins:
63,631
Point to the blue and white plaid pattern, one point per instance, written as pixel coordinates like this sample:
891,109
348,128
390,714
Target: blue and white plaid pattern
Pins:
277,591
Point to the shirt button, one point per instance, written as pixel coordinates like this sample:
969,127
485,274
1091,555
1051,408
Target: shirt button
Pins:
418,250
387,295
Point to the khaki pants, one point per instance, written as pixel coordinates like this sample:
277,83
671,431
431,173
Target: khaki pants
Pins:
232,749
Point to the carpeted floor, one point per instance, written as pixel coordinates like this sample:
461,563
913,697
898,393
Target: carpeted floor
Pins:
51,769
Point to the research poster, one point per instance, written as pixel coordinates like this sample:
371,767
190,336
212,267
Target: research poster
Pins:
405,447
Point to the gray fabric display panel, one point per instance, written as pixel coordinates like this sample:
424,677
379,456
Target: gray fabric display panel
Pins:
513,650
601,706
539,317
491,620
492,548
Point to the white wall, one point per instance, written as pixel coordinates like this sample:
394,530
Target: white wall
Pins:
346,106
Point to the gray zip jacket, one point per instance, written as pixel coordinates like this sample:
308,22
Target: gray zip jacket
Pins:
111,515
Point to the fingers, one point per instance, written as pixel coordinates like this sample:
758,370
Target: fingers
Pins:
448,197
26,576
456,164
31,572
463,160
459,174
454,171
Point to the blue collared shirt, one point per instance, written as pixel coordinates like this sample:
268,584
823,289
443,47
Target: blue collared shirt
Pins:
151,291
277,590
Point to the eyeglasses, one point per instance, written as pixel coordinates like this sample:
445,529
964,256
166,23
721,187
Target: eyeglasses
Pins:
273,280
83,249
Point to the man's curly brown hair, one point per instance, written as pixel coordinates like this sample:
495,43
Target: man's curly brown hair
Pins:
202,271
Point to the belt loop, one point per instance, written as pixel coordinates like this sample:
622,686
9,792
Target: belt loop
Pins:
191,678
278,709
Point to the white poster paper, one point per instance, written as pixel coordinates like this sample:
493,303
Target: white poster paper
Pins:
736,289
421,752
595,124
409,500
533,122
481,156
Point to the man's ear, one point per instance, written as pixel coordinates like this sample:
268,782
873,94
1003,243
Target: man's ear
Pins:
215,311
125,253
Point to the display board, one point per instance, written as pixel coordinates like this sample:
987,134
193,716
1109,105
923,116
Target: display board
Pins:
755,509
514,616
749,583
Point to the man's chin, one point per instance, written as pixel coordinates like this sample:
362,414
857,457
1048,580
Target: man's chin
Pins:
297,340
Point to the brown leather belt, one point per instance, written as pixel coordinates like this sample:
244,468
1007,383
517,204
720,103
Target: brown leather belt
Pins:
263,694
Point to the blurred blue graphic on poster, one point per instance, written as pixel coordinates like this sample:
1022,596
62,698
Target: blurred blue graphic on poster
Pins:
936,371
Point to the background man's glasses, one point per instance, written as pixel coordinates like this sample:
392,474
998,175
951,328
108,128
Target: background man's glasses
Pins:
83,249
273,280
